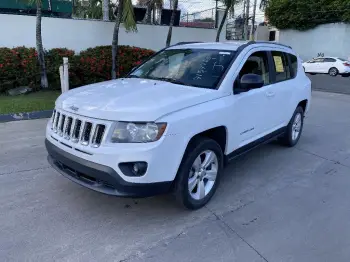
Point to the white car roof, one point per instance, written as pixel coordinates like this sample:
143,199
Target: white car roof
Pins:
325,57
227,45
230,45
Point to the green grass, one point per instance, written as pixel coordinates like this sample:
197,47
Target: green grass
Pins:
42,100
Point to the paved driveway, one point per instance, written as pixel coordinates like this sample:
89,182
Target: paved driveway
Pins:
274,204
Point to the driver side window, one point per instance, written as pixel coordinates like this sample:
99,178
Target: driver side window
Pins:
257,64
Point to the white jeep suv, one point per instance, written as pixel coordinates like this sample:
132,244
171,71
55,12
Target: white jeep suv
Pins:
177,119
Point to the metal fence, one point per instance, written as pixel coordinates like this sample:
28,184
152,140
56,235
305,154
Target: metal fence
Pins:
193,13
201,19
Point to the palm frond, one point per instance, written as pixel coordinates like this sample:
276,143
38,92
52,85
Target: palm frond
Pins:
30,2
231,3
263,4
128,17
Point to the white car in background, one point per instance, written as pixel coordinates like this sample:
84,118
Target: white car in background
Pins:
328,65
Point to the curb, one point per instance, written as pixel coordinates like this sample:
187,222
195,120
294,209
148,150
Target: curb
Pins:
25,116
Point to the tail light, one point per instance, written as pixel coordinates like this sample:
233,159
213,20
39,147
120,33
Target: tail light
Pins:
347,64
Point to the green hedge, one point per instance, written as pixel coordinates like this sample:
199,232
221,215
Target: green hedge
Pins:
307,14
95,64
19,66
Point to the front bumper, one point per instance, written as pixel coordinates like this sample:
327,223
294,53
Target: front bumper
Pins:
98,177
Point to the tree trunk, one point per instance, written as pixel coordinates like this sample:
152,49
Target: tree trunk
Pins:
105,10
154,15
172,20
148,15
39,46
222,24
116,39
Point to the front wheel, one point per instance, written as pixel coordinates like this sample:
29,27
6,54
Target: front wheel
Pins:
199,173
294,128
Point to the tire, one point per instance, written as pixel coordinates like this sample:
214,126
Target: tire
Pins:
186,173
290,138
333,71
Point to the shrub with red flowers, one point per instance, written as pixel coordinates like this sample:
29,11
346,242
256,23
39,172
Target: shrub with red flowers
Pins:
19,66
95,64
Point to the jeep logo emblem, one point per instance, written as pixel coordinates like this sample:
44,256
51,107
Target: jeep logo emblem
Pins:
74,108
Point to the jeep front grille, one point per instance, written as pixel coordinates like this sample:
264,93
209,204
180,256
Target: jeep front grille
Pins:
77,129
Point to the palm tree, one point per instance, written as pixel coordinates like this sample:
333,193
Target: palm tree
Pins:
94,9
151,5
39,42
105,10
172,20
125,14
263,4
230,6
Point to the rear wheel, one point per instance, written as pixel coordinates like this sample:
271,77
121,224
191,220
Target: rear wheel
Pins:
294,128
333,71
199,173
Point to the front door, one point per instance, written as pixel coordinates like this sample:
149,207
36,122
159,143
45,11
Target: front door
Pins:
318,65
251,114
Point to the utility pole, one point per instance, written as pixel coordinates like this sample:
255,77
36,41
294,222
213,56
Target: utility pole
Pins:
252,30
244,12
246,28
216,14
105,10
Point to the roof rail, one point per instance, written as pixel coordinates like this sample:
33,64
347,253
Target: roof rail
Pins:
186,43
267,42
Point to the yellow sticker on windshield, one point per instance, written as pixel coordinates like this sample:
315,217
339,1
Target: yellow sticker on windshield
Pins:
278,64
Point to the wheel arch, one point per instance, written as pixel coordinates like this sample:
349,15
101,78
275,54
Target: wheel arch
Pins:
303,104
219,134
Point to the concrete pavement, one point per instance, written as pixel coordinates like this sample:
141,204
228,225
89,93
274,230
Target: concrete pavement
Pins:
324,82
274,204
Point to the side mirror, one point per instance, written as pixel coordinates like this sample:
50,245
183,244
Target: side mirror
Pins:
251,81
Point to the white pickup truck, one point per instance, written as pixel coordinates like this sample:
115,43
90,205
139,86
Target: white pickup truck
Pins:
177,119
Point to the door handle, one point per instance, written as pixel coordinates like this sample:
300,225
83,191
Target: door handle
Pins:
270,94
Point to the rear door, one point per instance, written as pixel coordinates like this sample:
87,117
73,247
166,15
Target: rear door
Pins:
327,64
282,87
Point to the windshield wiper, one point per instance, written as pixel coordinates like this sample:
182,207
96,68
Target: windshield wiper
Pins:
171,80
133,76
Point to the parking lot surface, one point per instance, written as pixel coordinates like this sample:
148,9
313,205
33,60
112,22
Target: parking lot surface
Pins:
323,82
273,204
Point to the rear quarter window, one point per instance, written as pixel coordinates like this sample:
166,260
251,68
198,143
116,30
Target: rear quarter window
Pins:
294,65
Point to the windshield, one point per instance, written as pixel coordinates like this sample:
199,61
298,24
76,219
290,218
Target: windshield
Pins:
191,67
342,59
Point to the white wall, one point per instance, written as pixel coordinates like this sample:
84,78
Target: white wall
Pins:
18,30
262,33
330,39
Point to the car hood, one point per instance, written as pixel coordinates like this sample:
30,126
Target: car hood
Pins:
133,99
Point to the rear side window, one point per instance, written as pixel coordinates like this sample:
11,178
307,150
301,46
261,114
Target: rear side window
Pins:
329,60
281,64
293,65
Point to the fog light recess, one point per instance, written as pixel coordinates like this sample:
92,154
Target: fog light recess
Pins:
134,169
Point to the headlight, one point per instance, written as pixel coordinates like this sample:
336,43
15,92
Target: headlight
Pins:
126,132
